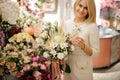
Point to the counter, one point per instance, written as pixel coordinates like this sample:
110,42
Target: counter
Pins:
109,50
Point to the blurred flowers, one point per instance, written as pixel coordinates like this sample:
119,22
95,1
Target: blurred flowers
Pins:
28,19
7,8
109,3
29,46
2,36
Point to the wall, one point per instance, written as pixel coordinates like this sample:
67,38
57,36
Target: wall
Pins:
53,16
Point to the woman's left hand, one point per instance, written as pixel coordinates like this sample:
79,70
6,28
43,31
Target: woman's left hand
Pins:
76,40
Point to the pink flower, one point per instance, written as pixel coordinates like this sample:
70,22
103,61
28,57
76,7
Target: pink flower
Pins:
26,67
29,50
37,75
37,31
49,77
47,63
35,64
43,67
109,3
36,59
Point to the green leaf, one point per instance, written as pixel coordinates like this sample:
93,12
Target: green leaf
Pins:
67,69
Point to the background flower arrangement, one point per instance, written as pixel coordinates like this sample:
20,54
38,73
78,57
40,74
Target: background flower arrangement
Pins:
30,46
16,46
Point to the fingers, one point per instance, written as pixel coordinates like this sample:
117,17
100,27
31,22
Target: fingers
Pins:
76,40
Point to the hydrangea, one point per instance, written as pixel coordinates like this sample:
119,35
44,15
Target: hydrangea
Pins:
10,12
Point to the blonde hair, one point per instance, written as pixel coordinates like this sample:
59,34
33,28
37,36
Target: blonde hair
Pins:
91,17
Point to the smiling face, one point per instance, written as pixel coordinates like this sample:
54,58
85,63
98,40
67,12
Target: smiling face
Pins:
81,9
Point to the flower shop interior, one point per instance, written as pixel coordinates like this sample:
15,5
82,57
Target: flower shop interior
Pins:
20,26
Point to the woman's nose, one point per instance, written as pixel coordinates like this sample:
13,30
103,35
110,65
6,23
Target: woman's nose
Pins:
81,9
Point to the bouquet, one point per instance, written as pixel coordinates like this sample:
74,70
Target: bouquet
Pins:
54,45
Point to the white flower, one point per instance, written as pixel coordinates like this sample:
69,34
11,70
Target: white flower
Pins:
53,45
53,52
60,56
39,41
63,45
44,34
10,11
46,55
57,38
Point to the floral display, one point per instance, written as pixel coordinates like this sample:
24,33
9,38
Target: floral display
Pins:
6,31
109,3
28,19
108,9
31,49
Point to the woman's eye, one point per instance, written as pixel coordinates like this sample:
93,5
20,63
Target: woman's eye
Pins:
80,5
85,8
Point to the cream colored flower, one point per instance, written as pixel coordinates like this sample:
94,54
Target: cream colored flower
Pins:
22,37
27,59
60,56
11,65
10,11
63,45
46,55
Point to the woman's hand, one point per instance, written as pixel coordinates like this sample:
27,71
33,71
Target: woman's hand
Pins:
76,40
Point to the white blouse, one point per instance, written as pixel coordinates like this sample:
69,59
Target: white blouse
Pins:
80,63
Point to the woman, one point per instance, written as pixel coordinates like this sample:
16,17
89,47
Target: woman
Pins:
85,38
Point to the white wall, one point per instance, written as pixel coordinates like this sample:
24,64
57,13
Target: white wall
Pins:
98,20
53,16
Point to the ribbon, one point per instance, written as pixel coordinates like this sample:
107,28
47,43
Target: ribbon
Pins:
56,74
